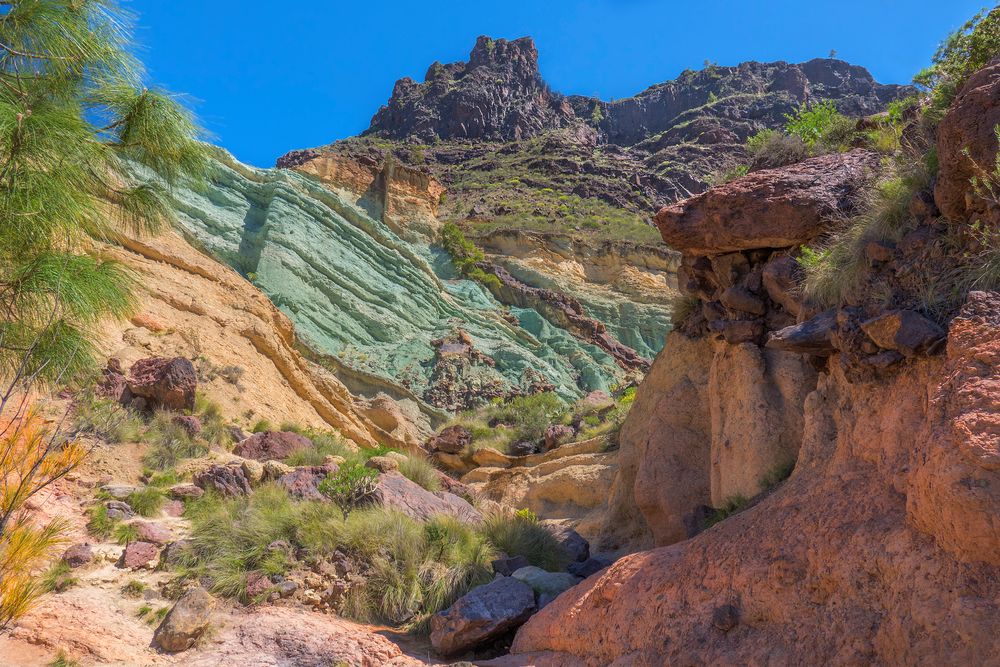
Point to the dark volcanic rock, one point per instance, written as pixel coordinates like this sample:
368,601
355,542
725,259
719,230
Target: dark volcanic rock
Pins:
164,383
452,440
228,480
498,94
481,615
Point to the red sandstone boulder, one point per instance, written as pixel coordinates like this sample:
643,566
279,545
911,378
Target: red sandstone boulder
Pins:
452,440
772,208
78,555
164,383
272,445
139,554
397,492
965,139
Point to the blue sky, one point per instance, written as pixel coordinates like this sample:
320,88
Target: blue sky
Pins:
269,77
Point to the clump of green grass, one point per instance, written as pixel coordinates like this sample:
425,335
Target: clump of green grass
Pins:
732,506
325,443
133,589
419,470
413,569
778,474
58,578
125,533
99,523
214,427
835,271
147,501
262,425
105,419
520,534
171,443
63,660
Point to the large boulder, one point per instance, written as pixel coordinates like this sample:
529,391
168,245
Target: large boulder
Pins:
397,492
482,615
164,383
272,445
577,548
452,440
905,331
966,139
772,208
186,622
226,480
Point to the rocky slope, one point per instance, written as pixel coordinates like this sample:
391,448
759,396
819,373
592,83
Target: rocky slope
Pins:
344,249
881,546
244,348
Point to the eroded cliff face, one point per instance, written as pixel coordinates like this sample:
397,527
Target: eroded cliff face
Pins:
881,547
368,293
858,559
243,346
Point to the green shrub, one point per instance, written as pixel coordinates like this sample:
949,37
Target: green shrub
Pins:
418,469
350,487
262,425
521,535
819,123
58,578
214,427
147,501
170,442
770,149
963,52
777,474
529,416
105,419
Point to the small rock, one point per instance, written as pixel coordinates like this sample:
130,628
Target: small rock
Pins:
118,491
272,445
119,510
482,615
254,470
227,480
452,440
164,383
274,470
139,554
557,434
186,492
147,531
174,508
286,588
382,463
814,336
742,331
725,617
507,566
190,424
303,482
186,622
742,300
587,567
523,448
577,548
78,555
257,584
883,359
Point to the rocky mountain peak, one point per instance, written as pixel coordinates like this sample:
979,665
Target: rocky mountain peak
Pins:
498,94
